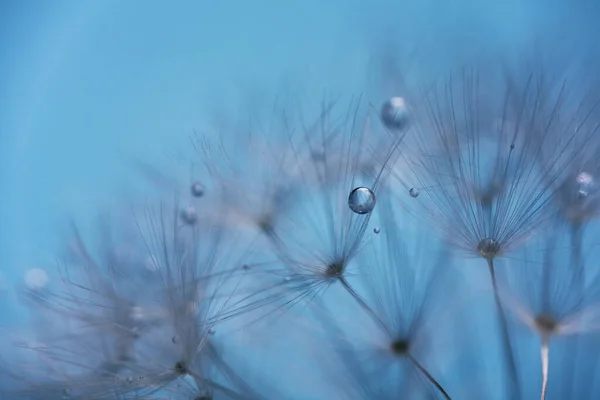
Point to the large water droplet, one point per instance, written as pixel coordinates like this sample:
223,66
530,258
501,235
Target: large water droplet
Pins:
394,113
488,247
361,200
414,192
197,189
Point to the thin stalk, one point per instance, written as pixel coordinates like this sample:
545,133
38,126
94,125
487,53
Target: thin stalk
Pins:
544,351
510,359
429,377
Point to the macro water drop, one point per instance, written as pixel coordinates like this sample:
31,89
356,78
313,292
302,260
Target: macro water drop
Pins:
376,231
361,200
197,189
414,192
394,113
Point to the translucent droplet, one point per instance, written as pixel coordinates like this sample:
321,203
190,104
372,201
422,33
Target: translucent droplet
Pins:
212,331
36,278
376,231
361,200
189,215
197,189
394,113
414,192
488,247
585,184
287,278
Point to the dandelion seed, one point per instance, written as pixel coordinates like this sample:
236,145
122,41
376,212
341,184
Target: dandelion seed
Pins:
488,248
414,192
197,189
361,200
394,113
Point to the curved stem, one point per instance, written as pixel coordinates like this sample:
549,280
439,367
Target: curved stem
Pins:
545,359
429,377
510,359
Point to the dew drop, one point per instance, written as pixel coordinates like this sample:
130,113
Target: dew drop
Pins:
414,192
36,278
211,331
394,113
376,231
361,200
189,215
197,189
488,247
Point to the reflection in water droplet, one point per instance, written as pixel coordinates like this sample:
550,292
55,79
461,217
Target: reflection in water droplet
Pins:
361,200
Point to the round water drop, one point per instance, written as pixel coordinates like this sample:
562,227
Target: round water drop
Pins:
189,215
36,278
488,247
361,200
414,192
197,189
211,331
376,231
394,113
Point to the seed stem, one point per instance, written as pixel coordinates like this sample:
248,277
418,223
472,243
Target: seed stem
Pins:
429,377
512,369
544,351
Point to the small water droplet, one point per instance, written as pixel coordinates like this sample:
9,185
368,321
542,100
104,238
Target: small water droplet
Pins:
361,200
488,247
414,192
189,215
394,113
376,231
174,339
197,189
287,278
211,331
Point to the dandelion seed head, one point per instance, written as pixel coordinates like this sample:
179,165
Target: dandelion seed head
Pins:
546,324
488,248
399,347
36,278
181,368
335,269
414,192
394,113
361,200
197,189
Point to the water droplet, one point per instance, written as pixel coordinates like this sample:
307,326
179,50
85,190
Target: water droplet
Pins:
287,278
414,192
197,189
376,231
174,339
189,215
211,331
394,113
585,184
36,278
488,247
361,200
